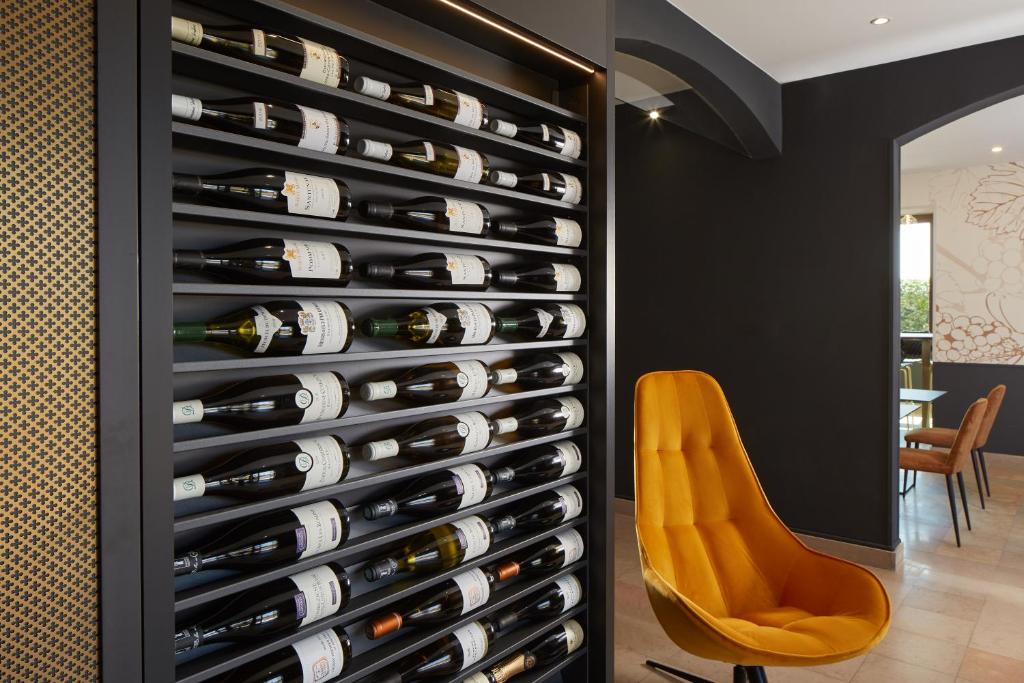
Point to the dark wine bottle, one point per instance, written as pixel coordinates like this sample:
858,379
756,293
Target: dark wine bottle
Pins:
438,437
541,370
443,658
441,382
541,511
272,401
552,647
272,261
433,270
548,321
278,328
438,158
281,606
439,492
322,656
269,189
269,471
543,463
558,232
550,416
549,277
446,323
560,551
432,213
270,539
560,597
291,124
560,186
292,55
561,140
452,105
445,602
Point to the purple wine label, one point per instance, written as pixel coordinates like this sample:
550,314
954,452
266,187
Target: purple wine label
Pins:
300,540
300,605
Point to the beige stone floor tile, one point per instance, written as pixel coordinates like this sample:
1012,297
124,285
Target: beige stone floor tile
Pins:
933,625
1000,629
840,671
879,669
984,667
930,653
950,604
797,674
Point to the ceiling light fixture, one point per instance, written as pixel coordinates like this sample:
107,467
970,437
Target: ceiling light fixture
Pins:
654,114
880,21
908,219
997,149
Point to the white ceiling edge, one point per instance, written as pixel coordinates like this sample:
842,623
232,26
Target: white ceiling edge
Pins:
968,141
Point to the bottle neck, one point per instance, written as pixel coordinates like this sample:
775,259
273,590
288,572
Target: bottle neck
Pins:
190,332
506,229
189,259
380,327
187,184
377,271
188,639
505,278
506,325
381,211
503,523
380,509
503,475
187,564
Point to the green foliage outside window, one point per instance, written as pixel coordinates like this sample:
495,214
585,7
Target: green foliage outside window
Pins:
915,302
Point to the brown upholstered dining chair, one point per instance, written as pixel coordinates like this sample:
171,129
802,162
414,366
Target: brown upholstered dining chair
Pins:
952,461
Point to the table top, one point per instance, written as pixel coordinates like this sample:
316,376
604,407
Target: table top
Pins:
908,408
920,395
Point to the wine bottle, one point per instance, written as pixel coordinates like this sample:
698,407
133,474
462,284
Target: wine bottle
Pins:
439,158
550,416
272,261
549,277
439,437
543,463
561,140
449,600
453,653
322,656
558,598
432,213
291,124
563,549
442,547
547,321
558,232
280,606
560,186
542,511
452,105
272,401
441,382
446,323
557,643
541,370
270,539
434,270
268,189
278,328
439,492
269,471
292,55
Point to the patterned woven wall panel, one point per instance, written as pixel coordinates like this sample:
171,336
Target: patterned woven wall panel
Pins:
48,515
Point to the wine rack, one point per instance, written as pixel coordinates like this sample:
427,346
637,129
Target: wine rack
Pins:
185,371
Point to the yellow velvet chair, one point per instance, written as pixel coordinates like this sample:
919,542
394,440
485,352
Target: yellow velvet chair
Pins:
726,578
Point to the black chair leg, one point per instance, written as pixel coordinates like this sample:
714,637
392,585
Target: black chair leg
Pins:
658,666
963,497
906,473
984,471
952,507
739,675
977,477
756,674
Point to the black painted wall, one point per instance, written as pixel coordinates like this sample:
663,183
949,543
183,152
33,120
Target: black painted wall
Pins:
777,276
967,382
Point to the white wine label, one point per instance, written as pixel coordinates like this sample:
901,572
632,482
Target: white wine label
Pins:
545,319
505,128
375,391
259,43
321,64
545,132
571,589
574,408
267,325
575,365
321,594
572,500
567,277
478,677
471,112
312,260
573,144
321,130
477,534
326,399
545,182
475,589
573,189
471,165
475,428
568,232
188,411
473,639
575,320
573,636
378,450
324,325
429,153
477,321
506,376
465,270
321,656
185,31
428,95
260,117
504,178
572,546
437,322
474,484
321,528
310,195
372,88
464,216
506,425
477,379
193,486
375,149
190,108
322,459
571,455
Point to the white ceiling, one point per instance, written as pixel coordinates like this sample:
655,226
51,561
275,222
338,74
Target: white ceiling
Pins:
644,84
797,39
969,141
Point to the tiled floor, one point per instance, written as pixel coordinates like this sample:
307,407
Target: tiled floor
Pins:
958,612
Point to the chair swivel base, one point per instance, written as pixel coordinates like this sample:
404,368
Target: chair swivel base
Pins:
740,674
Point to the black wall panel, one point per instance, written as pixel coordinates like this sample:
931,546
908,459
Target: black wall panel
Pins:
967,382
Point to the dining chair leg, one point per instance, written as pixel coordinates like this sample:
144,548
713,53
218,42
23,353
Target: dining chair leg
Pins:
963,497
739,675
904,490
977,477
952,508
756,674
984,471
678,673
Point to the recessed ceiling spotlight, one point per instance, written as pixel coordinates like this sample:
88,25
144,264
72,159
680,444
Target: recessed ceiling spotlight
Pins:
654,114
997,149
880,21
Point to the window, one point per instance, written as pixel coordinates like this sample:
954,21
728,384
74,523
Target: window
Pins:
916,273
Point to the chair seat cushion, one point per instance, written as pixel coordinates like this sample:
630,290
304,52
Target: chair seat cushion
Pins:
801,634
933,460
933,436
